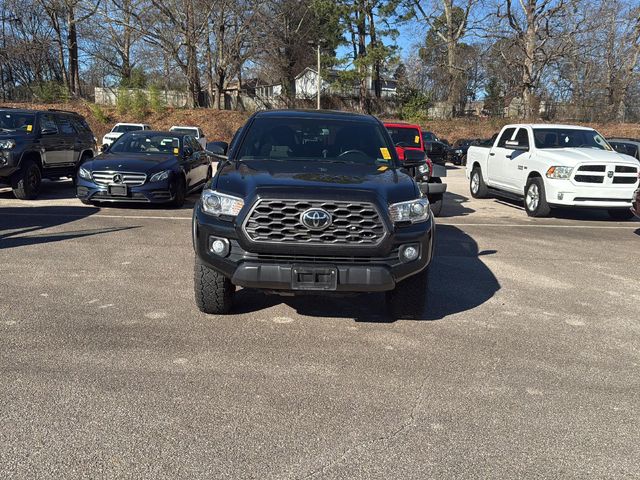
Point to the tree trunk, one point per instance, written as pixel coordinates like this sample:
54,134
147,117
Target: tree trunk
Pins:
375,78
363,71
72,46
193,75
529,62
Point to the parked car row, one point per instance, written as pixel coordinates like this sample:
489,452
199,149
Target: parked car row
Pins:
136,164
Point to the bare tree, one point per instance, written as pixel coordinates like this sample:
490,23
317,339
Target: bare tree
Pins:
536,33
449,20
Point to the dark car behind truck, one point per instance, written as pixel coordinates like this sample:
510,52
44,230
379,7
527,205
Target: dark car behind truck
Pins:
36,144
313,202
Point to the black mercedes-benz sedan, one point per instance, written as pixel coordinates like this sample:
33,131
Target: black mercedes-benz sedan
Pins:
145,166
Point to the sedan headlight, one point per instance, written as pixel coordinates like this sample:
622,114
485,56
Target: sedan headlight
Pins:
413,211
157,177
7,144
84,173
216,203
559,172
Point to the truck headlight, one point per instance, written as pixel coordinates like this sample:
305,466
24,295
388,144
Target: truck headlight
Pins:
216,203
157,177
7,144
559,172
84,173
413,211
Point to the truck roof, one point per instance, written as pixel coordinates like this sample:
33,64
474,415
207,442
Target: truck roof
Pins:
547,125
326,114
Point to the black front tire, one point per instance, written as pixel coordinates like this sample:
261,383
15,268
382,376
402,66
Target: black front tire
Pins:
213,291
621,214
26,182
409,298
181,194
477,187
535,198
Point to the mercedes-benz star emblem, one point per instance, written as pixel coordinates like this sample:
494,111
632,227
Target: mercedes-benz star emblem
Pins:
117,178
316,219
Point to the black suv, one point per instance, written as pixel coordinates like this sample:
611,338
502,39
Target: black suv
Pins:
313,201
41,144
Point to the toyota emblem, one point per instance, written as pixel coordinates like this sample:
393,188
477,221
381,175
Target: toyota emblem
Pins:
117,178
315,219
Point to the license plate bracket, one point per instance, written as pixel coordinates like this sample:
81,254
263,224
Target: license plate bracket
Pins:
118,190
316,277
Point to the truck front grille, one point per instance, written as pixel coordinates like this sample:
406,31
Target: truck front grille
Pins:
619,174
278,221
132,179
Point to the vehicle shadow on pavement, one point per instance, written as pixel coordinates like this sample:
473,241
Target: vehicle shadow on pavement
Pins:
18,225
458,281
49,190
454,206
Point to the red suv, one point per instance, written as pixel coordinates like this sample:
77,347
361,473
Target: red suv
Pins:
408,136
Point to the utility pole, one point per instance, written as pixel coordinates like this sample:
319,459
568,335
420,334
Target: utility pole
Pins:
318,44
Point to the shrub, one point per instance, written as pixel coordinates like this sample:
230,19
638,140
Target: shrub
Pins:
156,100
414,105
140,104
51,91
123,101
98,113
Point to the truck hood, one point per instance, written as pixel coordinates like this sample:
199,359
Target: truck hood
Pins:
113,135
131,162
244,178
572,156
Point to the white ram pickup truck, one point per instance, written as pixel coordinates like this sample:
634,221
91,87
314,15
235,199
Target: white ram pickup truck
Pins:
554,166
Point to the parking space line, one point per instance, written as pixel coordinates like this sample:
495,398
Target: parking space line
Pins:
540,225
75,215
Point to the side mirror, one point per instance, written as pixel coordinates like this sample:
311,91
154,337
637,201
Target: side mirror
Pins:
514,145
413,158
218,148
187,151
104,147
48,131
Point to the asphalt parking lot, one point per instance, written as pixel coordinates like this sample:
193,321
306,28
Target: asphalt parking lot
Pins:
526,364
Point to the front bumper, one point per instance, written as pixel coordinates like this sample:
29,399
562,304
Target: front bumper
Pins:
156,192
8,163
375,271
566,193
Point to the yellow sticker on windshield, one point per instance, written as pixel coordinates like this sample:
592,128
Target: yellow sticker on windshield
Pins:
383,168
176,151
417,139
385,153
29,128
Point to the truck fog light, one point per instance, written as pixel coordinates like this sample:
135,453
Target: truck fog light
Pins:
409,253
219,246
560,196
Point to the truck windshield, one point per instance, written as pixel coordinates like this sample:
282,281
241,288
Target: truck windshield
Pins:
405,137
151,144
126,128
12,121
569,138
317,139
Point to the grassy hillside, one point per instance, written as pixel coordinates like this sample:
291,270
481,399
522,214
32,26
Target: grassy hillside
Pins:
220,125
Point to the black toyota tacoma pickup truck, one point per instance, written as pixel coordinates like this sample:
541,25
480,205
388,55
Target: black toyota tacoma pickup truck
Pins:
37,144
313,202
